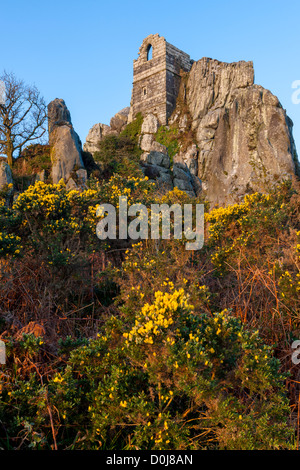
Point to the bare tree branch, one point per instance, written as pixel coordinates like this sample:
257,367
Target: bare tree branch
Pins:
22,116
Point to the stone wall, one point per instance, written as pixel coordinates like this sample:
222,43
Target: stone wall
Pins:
156,81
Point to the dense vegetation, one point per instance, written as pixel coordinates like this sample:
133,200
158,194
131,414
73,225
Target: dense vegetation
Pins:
145,345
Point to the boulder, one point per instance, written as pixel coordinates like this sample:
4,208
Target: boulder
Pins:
65,144
159,159
95,135
81,176
156,165
197,184
184,185
150,124
157,147
119,120
99,131
181,173
65,153
184,180
146,141
165,179
5,174
189,157
41,176
71,184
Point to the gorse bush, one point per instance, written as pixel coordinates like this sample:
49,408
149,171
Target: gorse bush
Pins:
119,344
254,245
60,225
166,377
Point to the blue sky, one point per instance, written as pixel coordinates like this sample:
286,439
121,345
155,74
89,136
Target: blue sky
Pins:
83,51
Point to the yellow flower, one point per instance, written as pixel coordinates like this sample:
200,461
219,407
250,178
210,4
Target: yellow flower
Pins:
58,379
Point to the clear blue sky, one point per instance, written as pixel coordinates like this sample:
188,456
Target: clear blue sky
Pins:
83,51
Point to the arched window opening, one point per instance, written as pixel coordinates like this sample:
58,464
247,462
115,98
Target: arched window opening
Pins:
149,52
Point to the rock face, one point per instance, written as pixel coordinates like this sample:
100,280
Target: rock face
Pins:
65,145
150,124
234,136
5,174
95,135
119,120
243,135
58,114
99,130
41,176
189,157
149,128
146,142
65,153
185,180
157,166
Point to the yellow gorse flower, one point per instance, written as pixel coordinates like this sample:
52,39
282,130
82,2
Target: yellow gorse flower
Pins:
157,317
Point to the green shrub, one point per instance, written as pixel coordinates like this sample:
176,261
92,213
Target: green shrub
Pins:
118,154
33,159
161,377
165,371
133,129
168,136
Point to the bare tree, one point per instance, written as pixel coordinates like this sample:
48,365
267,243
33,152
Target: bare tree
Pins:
23,115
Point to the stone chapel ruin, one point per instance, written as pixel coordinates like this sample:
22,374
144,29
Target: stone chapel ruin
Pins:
156,81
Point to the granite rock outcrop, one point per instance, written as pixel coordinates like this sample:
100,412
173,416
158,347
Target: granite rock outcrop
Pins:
242,134
5,174
65,145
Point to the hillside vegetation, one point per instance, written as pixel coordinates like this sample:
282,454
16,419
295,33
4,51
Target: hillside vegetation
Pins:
121,344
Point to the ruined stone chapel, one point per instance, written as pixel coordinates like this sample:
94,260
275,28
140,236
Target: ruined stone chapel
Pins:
156,78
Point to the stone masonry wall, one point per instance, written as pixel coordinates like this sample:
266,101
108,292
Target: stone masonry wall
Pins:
156,81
